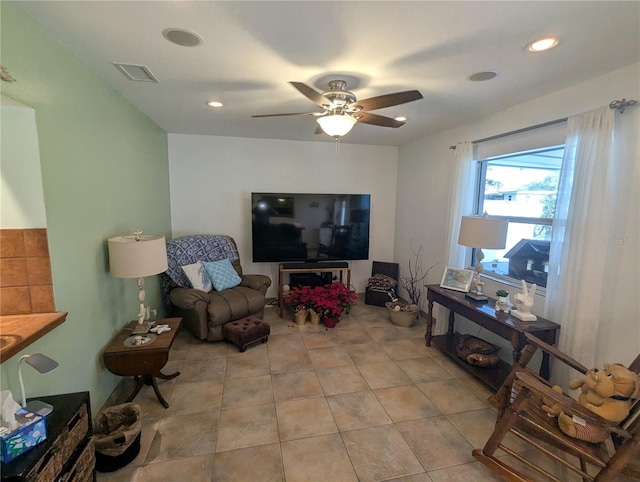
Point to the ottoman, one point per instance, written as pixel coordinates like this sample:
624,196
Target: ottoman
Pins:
246,331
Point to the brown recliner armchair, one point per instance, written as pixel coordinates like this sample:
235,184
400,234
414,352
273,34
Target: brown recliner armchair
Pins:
204,313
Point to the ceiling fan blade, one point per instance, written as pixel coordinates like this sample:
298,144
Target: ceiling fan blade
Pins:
314,96
378,120
388,100
291,113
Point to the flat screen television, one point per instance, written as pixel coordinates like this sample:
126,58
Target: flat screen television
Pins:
309,227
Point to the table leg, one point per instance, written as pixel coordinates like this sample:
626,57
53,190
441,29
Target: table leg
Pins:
280,297
452,321
158,394
139,383
428,334
550,338
166,377
517,347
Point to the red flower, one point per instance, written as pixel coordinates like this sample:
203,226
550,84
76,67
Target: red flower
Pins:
331,299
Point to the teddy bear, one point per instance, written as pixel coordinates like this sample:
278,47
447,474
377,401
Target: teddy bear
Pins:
608,393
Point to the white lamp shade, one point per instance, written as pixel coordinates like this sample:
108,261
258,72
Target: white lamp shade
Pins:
130,258
336,125
482,232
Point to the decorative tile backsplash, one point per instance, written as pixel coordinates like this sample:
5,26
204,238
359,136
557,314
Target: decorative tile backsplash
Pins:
26,285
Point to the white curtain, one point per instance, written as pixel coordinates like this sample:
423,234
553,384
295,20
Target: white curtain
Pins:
461,201
588,205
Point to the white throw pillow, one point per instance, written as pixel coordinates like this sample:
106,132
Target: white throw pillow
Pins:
198,276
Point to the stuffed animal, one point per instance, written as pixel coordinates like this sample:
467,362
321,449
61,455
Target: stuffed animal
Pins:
607,393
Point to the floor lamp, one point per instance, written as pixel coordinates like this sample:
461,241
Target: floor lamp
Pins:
482,232
137,256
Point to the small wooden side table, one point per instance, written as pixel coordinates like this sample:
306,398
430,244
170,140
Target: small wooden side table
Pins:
142,362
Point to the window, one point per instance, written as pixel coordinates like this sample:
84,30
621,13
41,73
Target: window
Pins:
521,187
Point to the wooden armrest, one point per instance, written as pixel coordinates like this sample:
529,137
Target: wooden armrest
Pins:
568,404
554,352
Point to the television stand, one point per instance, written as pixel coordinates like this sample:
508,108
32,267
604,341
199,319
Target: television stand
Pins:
314,267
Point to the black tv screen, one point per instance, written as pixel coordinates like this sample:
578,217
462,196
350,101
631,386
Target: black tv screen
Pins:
309,227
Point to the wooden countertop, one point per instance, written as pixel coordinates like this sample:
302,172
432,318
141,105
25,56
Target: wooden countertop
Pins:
19,331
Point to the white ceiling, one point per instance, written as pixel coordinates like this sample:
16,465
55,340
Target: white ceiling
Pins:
251,50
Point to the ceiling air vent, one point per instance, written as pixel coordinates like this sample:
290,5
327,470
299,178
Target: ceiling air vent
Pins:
139,73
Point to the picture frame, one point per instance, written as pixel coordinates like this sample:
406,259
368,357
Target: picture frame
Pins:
457,279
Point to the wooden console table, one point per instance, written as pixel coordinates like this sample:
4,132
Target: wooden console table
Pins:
142,362
502,324
312,268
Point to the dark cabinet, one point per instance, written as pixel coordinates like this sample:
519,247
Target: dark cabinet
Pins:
68,454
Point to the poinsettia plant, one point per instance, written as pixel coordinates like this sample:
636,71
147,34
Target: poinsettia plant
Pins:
299,298
332,299
329,300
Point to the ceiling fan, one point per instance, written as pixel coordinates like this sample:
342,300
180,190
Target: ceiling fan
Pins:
341,110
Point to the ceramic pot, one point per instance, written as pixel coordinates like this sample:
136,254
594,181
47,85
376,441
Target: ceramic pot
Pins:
330,321
301,317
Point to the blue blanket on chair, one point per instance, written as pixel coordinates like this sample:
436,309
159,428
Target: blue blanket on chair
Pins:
190,249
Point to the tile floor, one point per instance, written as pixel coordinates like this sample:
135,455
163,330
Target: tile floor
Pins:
365,401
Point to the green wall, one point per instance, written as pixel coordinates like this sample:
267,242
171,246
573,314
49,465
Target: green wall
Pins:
104,172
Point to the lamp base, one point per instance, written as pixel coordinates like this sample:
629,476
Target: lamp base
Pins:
477,296
39,407
141,329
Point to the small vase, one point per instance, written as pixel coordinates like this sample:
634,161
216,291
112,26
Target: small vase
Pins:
330,321
314,317
301,317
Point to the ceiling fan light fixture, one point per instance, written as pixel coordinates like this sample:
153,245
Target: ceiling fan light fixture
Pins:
336,125
214,103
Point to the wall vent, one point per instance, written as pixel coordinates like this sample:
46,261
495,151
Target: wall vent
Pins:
138,73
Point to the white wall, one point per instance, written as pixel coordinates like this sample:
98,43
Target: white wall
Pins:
22,197
212,179
425,177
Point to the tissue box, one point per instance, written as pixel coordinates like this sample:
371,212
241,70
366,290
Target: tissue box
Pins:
30,432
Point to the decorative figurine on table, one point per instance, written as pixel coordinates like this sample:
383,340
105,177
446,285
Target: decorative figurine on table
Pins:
524,303
503,303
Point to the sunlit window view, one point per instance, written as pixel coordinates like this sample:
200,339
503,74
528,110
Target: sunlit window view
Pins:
522,188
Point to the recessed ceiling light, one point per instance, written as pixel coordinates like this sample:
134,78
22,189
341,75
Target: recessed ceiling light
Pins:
542,44
482,76
182,37
401,118
214,103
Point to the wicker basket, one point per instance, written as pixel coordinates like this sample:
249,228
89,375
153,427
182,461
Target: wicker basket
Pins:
477,352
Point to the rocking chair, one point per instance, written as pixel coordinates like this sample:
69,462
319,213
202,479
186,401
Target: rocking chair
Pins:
519,402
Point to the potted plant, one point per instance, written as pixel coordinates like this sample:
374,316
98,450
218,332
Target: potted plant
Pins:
405,314
502,294
402,314
330,301
503,303
299,299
